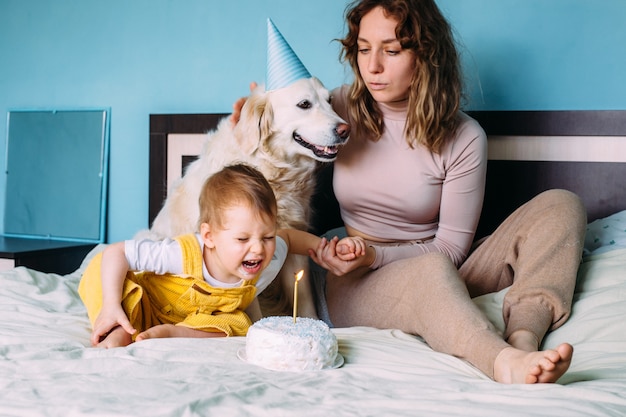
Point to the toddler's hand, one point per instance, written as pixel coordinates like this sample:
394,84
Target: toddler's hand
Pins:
353,256
109,319
350,248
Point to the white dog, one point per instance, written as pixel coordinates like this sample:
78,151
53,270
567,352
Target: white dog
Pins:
283,133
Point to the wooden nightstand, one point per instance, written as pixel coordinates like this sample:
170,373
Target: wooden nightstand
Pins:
45,255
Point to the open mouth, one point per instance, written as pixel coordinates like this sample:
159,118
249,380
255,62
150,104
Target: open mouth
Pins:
251,267
324,152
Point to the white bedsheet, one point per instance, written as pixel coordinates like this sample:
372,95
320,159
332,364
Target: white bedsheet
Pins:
48,369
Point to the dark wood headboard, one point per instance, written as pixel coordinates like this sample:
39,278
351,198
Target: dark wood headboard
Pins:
599,181
162,125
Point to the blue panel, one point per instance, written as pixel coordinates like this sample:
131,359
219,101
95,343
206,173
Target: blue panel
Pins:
56,174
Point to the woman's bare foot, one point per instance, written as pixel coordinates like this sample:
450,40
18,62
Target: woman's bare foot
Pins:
170,330
118,337
516,366
524,340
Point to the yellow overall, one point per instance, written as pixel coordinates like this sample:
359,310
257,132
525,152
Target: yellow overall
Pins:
184,300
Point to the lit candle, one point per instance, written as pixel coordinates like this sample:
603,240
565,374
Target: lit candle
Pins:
297,277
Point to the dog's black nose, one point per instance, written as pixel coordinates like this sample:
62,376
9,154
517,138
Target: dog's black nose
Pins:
343,130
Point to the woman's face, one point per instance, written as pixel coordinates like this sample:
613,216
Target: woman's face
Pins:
385,67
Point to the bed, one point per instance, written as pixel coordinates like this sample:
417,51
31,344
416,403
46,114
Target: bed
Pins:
48,369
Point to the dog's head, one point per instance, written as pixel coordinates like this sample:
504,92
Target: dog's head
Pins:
291,122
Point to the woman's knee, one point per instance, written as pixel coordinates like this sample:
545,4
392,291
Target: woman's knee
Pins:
562,198
564,205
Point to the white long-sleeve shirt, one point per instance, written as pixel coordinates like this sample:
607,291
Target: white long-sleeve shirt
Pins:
165,256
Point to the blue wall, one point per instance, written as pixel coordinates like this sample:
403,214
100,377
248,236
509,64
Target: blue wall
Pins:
164,56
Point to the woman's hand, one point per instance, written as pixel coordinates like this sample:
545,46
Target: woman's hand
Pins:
238,105
108,319
342,260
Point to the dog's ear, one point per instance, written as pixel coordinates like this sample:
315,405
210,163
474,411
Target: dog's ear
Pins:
255,123
265,122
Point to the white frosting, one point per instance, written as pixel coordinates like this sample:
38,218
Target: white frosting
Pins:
279,344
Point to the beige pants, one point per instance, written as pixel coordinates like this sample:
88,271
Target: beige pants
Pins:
536,252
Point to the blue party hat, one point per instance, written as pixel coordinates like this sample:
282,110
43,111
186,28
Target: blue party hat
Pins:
283,65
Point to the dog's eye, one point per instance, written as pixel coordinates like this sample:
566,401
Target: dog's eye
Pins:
304,104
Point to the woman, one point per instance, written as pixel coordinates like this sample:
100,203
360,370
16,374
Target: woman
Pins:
411,182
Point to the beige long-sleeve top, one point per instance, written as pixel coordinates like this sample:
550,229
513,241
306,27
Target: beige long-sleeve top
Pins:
388,190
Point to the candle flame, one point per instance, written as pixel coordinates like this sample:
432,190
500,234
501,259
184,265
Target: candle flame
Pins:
298,276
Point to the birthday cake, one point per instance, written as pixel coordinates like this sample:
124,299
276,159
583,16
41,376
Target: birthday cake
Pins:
279,344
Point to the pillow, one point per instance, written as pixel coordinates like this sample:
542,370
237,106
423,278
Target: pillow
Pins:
606,234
